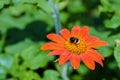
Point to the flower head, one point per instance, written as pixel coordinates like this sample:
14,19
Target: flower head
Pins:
75,46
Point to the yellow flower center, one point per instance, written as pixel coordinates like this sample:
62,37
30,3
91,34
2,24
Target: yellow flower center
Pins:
75,45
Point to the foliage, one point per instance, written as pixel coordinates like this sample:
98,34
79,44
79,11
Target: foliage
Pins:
25,23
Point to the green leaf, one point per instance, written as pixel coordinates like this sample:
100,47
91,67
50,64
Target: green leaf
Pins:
43,4
111,7
19,47
39,61
106,6
63,4
64,17
77,77
6,61
46,18
97,33
111,40
30,52
105,51
117,55
24,1
35,60
82,70
23,8
16,67
7,21
29,75
3,72
13,16
3,2
76,6
113,23
51,75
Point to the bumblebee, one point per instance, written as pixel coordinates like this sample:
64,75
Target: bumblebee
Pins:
74,40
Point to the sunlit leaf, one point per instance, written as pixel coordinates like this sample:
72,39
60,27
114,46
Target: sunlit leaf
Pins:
76,6
111,7
6,61
43,4
29,75
34,60
51,75
19,47
24,1
113,22
117,54
63,4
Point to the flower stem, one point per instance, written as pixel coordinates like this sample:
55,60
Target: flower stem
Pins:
55,9
64,72
55,16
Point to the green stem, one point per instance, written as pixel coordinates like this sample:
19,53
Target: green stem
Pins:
55,16
55,9
64,72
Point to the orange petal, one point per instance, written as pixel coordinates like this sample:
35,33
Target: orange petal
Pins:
88,61
95,58
51,46
90,39
65,33
55,38
84,31
64,57
75,31
55,52
75,61
97,44
94,52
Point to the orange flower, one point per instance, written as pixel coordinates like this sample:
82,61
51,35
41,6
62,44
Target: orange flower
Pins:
75,46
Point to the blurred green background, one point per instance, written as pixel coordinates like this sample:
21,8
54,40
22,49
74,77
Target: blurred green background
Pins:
24,25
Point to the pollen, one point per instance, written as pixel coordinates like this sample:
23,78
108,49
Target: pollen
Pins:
76,48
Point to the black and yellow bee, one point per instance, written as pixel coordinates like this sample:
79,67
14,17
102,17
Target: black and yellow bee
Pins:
74,40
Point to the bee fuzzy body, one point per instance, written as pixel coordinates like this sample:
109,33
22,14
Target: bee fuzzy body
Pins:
74,40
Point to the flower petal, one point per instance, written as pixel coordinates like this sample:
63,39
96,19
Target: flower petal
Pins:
51,46
84,31
97,44
64,57
94,52
65,33
75,31
75,61
88,61
95,58
55,38
90,39
55,52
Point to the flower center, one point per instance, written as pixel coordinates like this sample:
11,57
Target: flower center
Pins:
75,45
